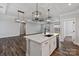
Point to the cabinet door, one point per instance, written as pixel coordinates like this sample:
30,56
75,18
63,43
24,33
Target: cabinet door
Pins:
35,49
52,45
55,43
45,48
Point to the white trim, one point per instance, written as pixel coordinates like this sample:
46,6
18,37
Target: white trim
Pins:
76,43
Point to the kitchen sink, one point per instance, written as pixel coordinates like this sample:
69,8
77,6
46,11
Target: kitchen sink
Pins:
49,35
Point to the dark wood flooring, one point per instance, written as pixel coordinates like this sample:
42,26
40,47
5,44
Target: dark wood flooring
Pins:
13,46
67,49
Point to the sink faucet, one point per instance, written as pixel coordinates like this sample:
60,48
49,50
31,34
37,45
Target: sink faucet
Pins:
45,31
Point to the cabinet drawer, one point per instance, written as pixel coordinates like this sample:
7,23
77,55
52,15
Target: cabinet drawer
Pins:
45,43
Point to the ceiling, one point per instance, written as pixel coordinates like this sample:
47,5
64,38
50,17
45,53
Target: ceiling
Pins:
56,9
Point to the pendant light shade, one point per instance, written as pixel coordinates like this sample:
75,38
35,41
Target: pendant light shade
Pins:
49,13
18,18
36,15
48,17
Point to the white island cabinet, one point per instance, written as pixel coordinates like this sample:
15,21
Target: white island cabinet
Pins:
39,45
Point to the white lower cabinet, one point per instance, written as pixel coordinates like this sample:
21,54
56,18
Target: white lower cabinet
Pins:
34,49
42,49
45,48
52,45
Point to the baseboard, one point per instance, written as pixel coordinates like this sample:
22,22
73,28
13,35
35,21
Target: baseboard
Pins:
76,43
10,37
53,52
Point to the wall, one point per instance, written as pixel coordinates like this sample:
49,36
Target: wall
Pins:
70,15
77,31
8,26
32,28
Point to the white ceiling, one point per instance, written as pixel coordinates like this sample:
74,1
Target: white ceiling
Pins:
56,9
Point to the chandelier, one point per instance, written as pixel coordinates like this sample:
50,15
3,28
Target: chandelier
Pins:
37,15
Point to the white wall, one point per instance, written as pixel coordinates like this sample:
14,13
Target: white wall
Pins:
68,30
77,31
32,28
71,15
8,26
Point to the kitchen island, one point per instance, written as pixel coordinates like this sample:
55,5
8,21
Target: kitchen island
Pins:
41,45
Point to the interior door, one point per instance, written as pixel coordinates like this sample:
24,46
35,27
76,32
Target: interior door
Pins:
69,28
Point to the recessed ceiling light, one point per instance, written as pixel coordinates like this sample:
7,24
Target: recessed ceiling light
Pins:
69,4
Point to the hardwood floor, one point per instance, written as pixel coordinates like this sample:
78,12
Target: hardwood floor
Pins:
13,46
16,46
67,49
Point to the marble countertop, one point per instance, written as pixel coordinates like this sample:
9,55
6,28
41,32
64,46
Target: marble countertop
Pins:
39,38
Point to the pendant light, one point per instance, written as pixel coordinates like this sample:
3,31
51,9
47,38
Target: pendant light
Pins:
36,15
49,14
18,19
48,23
48,17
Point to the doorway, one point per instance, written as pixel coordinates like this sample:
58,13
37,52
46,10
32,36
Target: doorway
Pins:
69,30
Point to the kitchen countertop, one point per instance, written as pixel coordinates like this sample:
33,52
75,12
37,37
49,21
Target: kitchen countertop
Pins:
39,38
